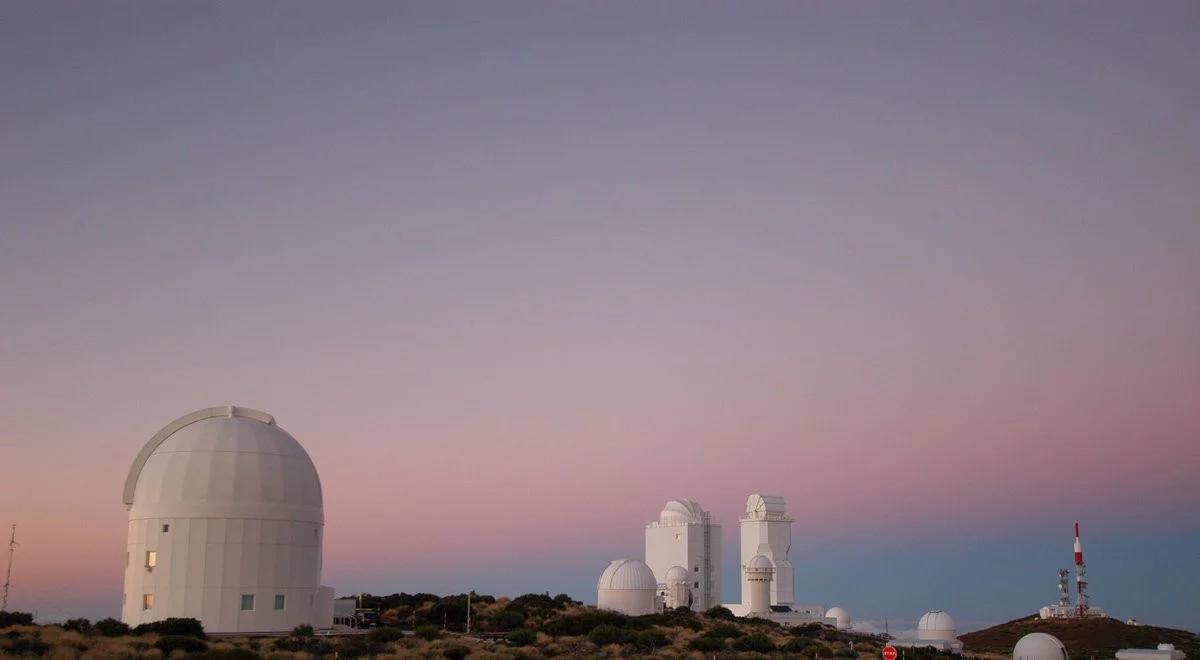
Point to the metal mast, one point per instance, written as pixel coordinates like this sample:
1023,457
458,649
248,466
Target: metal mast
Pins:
12,547
1064,592
707,593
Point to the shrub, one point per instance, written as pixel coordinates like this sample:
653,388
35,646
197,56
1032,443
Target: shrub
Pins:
509,619
302,644
724,631
456,652
795,647
303,630
719,612
428,632
174,626
584,622
15,619
32,645
111,627
385,634
650,639
707,644
521,637
605,634
845,653
229,654
360,647
807,630
78,625
566,600
169,643
757,642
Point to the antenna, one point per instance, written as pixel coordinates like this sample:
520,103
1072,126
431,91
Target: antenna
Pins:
12,548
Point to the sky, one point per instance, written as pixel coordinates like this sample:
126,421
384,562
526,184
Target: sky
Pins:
516,274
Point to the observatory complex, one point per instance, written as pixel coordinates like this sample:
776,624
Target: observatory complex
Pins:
683,566
225,525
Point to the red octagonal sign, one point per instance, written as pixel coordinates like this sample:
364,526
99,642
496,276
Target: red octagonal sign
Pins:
889,652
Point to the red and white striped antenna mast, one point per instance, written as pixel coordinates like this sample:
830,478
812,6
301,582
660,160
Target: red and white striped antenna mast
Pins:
1080,575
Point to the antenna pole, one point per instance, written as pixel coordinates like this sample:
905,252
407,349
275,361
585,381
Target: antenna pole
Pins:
12,547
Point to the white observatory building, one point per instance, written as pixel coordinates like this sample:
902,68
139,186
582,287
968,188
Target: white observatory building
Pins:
758,573
937,629
767,531
685,537
1039,646
225,525
628,586
840,616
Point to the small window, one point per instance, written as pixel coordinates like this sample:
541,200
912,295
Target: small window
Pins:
147,601
280,601
151,558
696,569
696,585
166,528
247,601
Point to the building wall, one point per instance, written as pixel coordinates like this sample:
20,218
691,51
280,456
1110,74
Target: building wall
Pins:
634,602
683,545
772,538
205,566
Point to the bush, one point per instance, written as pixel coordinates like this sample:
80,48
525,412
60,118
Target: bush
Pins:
360,647
795,647
521,637
585,622
758,643
844,653
111,627
509,619
229,654
539,603
456,652
386,634
174,626
719,612
169,643
650,639
78,625
808,630
707,644
32,645
724,631
15,619
303,630
605,634
428,632
303,644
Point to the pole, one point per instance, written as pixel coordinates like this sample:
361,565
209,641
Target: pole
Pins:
12,547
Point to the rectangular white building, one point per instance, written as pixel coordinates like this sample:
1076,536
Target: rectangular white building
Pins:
686,536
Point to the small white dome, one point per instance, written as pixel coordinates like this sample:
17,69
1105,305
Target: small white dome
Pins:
681,512
842,616
677,574
627,574
936,624
760,563
1039,646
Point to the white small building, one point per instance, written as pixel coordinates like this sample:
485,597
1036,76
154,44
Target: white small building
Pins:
685,535
1039,646
1163,652
758,572
937,629
767,531
225,526
628,586
840,616
676,591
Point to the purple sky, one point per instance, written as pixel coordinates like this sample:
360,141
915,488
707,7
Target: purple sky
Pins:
515,274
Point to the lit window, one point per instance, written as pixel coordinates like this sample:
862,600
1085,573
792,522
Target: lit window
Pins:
166,528
247,601
280,601
151,558
147,601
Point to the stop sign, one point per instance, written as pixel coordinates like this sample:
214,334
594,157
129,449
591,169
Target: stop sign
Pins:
889,652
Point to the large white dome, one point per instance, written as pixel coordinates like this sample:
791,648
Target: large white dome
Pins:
1039,646
628,586
936,624
225,526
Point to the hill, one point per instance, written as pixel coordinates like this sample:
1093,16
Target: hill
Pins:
1101,638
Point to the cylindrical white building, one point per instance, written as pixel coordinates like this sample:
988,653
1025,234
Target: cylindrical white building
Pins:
677,591
1039,646
840,615
628,586
225,526
758,572
936,625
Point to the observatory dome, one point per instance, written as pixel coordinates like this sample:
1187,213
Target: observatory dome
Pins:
1039,646
936,624
681,512
841,615
760,563
225,526
628,586
677,574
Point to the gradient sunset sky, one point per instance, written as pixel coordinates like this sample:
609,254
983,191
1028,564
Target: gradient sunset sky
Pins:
516,274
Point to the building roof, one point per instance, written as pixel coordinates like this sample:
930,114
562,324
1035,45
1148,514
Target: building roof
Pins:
936,620
681,512
627,574
1039,646
677,574
766,507
224,462
760,563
